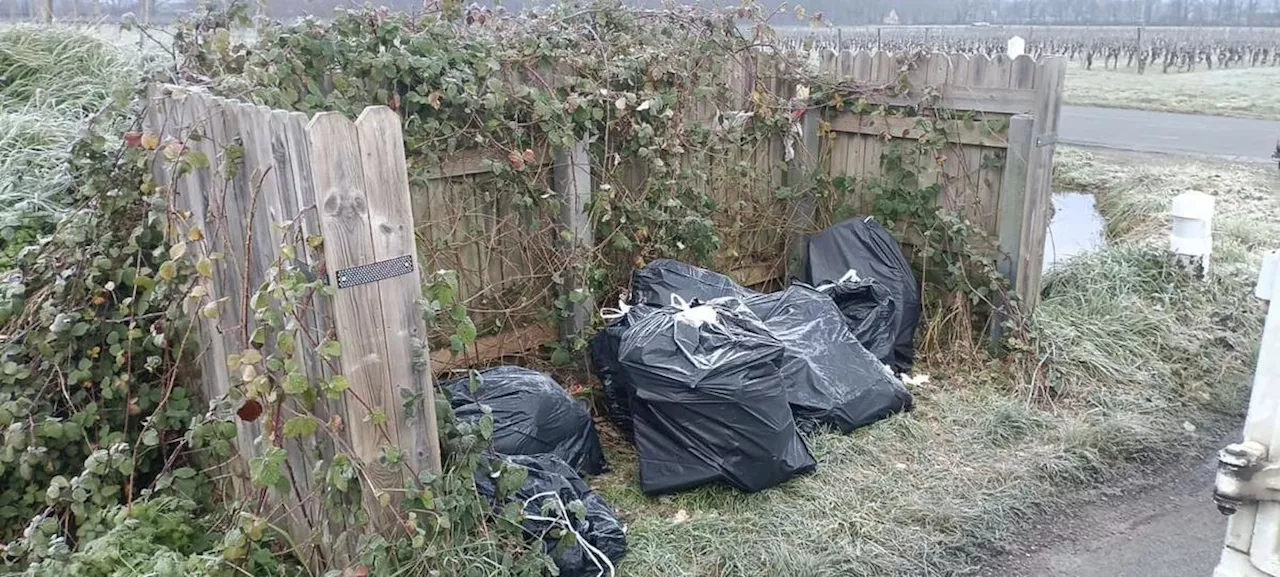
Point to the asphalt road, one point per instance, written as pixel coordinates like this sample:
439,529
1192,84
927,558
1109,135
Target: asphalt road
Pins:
1167,527
1240,139
1171,531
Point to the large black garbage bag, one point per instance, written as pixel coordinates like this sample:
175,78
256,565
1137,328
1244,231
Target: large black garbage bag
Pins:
830,379
655,283
871,313
603,354
532,414
709,403
864,246
548,476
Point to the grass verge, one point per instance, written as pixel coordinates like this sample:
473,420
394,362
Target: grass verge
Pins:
1139,365
52,80
1240,92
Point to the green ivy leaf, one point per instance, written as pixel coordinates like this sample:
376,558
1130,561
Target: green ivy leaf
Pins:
197,159
296,384
330,349
578,509
337,386
301,426
168,270
467,332
267,470
560,357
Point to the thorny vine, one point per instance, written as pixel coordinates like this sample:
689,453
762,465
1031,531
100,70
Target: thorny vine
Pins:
688,122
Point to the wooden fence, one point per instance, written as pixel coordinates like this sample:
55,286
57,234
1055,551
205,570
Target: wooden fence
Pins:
1001,118
255,181
276,179
996,172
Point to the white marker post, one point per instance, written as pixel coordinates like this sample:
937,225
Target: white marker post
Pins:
1191,235
1017,47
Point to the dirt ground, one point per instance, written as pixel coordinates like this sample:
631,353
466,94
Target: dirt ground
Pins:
1166,526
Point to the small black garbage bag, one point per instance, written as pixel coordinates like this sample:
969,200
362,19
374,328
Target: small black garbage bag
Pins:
871,313
830,379
864,246
603,353
655,283
603,541
709,403
532,414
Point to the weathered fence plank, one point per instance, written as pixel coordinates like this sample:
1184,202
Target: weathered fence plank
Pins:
345,204
958,131
1014,199
1049,80
386,187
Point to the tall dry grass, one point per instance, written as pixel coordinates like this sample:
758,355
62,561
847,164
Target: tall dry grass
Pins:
52,81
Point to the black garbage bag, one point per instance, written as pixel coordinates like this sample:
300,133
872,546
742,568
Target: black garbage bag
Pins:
655,283
709,403
603,540
864,246
532,414
603,354
830,379
871,313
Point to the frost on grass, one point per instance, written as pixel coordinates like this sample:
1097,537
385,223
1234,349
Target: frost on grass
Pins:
1242,92
54,81
1132,352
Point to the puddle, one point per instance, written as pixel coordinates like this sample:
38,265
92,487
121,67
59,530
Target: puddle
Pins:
1076,228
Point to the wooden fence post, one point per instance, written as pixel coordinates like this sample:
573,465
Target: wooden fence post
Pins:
1039,193
799,178
571,177
1013,202
362,192
1014,195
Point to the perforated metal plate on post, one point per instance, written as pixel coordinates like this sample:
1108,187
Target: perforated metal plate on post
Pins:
369,273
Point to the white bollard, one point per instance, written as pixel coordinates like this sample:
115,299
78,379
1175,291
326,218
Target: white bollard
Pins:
1191,234
1017,47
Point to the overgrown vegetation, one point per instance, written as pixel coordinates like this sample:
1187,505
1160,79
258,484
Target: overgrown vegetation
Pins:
53,81
111,466
647,89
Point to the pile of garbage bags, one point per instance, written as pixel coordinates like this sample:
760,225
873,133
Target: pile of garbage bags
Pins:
538,426
532,414
709,402
865,247
713,382
587,545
